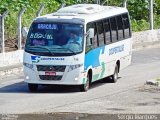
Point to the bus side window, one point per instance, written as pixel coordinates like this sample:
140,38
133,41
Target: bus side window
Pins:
100,33
120,27
93,41
107,31
114,29
127,31
95,38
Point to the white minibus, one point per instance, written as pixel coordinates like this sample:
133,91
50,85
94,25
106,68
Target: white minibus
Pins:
78,45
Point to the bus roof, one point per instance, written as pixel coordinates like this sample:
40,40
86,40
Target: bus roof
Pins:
83,12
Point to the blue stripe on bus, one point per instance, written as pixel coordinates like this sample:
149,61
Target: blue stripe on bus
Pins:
92,57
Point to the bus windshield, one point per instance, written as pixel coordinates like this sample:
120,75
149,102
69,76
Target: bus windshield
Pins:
55,39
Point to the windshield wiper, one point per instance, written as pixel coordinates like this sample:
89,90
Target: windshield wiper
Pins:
43,48
67,49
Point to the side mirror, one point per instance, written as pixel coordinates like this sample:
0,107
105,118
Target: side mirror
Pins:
25,32
91,33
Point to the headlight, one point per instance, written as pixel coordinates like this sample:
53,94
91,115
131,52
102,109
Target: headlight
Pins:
72,67
28,65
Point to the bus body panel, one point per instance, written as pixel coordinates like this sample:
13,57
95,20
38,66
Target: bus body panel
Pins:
102,60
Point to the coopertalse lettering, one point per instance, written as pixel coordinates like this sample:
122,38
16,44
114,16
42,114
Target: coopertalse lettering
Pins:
116,50
52,58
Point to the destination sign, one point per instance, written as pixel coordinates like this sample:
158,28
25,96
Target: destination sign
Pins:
47,26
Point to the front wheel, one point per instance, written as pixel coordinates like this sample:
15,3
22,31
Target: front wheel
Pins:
32,87
85,87
114,77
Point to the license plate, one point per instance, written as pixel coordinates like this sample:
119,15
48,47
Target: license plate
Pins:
50,73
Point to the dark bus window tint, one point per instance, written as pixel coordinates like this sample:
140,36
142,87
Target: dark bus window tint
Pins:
120,27
114,29
126,23
107,31
100,33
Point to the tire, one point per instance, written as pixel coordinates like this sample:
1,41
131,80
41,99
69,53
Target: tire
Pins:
32,87
114,77
85,87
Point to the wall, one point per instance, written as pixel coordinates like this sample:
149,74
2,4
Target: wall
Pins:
11,58
146,39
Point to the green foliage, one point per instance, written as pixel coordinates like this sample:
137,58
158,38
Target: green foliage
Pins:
15,6
157,14
157,22
157,7
139,11
137,25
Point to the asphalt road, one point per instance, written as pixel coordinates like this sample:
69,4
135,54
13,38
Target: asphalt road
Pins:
128,95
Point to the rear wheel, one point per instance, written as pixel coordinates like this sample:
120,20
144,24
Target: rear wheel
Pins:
33,87
114,77
85,87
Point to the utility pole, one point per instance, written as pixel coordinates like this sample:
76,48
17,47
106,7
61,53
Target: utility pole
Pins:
105,2
97,1
40,10
2,41
125,3
151,14
20,28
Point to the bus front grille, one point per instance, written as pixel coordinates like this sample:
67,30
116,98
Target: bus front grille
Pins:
58,68
49,77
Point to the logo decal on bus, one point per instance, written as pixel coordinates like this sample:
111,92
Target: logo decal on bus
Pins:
35,59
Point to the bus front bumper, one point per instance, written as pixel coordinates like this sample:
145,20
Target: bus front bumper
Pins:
74,77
